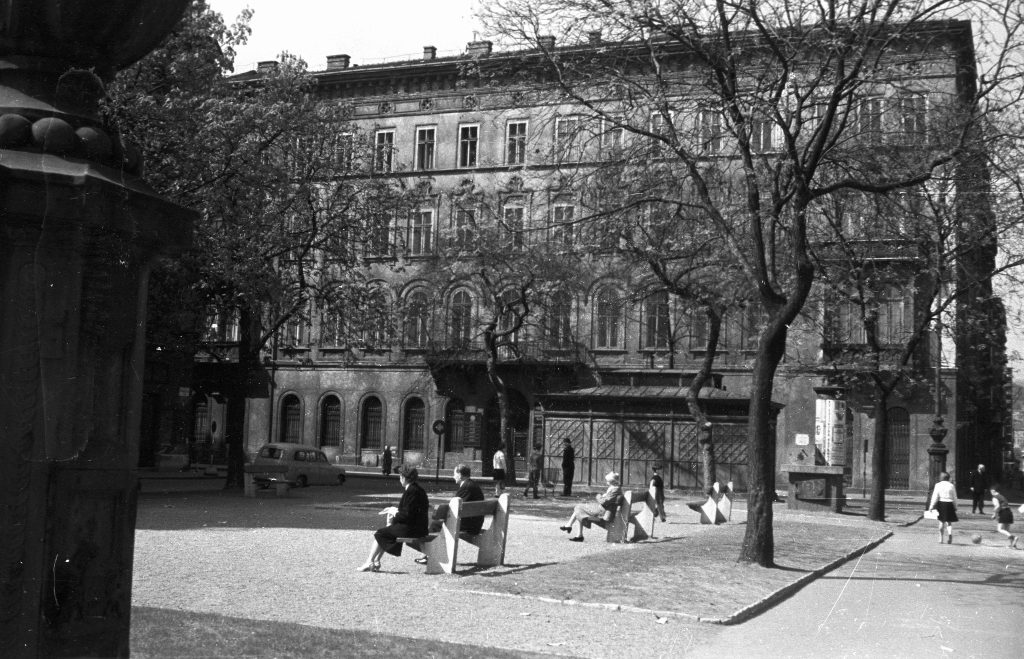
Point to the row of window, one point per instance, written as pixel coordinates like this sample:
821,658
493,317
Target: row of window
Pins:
660,326
576,137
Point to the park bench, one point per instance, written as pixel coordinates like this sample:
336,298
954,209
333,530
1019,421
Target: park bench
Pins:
718,506
631,520
270,475
442,548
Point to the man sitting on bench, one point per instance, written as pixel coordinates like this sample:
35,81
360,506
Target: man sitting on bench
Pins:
608,502
467,490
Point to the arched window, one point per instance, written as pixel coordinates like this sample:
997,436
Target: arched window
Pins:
330,422
291,419
414,425
656,324
559,320
372,427
897,449
417,314
461,319
377,320
609,319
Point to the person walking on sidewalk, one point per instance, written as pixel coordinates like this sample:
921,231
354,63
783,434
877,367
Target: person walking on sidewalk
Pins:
568,467
498,467
944,501
1002,514
979,489
385,461
536,461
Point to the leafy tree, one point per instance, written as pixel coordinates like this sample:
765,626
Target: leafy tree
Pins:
279,178
755,112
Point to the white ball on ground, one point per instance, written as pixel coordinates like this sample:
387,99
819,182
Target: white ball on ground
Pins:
976,538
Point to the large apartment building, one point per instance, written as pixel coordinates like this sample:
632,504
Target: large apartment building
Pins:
605,360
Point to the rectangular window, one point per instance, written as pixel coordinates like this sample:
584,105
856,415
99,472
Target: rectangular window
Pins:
515,143
425,148
468,137
761,133
421,231
514,219
658,124
562,224
379,239
612,134
609,319
384,151
344,148
656,322
709,131
465,221
568,142
913,117
869,120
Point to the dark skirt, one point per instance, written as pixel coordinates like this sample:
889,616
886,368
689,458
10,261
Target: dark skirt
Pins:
386,537
947,511
1004,516
498,475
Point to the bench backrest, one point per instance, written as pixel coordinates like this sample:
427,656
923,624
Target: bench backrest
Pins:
490,541
639,509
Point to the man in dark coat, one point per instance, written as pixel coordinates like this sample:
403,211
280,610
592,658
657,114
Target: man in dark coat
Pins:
568,467
467,490
979,489
536,463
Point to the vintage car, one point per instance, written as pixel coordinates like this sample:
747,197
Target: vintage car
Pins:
295,463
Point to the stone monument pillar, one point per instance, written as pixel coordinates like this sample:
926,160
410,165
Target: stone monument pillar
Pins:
78,233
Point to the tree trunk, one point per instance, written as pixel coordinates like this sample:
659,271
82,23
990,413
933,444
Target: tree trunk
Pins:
879,464
237,394
502,393
705,439
759,540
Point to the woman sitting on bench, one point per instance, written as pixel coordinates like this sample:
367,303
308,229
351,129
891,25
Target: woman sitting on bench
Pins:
408,520
608,501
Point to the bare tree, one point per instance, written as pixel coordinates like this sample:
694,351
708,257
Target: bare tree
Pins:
753,112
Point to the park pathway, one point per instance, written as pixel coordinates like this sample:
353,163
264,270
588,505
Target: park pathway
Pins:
909,597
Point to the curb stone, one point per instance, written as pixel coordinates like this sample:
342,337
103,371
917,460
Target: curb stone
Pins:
772,599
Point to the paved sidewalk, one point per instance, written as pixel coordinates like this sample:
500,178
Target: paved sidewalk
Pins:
910,597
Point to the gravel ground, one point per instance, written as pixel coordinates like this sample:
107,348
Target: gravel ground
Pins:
293,560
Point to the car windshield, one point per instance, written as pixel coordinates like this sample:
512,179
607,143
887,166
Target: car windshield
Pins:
270,452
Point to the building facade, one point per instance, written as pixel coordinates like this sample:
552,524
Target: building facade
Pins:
606,359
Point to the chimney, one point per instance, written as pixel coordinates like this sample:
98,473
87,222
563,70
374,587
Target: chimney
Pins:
594,37
337,62
267,68
479,48
546,43
429,53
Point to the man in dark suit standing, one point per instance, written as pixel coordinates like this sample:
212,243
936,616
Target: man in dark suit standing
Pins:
979,489
568,467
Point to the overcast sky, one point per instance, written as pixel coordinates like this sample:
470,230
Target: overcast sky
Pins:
368,30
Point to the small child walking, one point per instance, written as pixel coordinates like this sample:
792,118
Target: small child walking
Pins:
657,490
1002,513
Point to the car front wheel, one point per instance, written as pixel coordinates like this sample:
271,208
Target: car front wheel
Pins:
301,481
341,479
